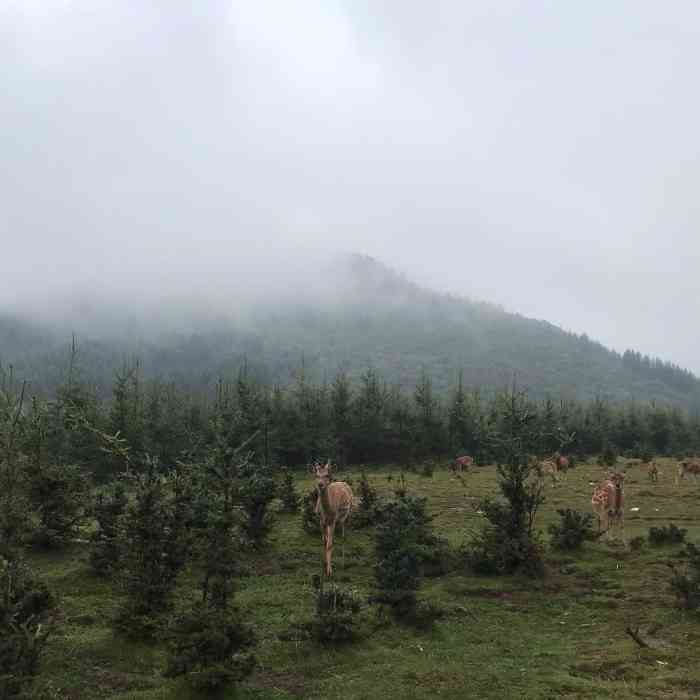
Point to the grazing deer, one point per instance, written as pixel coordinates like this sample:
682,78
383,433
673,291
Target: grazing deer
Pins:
554,467
333,506
688,466
461,464
608,503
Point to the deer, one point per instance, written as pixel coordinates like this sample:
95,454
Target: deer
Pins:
561,462
688,466
333,505
555,466
608,502
653,471
461,464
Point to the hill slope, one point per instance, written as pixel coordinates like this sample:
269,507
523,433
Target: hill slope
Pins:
362,314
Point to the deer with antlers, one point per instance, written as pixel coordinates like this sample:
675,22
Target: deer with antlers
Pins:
333,506
608,502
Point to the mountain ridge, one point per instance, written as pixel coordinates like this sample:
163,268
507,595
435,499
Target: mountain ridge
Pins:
353,313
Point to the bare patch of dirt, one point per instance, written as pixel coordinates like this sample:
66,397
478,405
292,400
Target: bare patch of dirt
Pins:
292,683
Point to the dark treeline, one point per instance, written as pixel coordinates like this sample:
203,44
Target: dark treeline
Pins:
365,421
655,368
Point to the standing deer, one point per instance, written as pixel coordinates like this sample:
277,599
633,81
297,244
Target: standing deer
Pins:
461,464
653,471
608,502
688,466
333,506
561,462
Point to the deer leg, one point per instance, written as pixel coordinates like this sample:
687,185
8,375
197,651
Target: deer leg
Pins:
325,550
329,550
622,524
605,523
343,533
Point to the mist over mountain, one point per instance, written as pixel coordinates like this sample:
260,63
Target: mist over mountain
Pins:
350,312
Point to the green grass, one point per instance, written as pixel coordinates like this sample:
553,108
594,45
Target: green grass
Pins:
559,637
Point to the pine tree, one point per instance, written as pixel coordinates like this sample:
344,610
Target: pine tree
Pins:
152,554
509,541
208,644
460,421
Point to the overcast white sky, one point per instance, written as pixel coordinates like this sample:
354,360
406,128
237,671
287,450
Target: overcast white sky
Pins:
541,155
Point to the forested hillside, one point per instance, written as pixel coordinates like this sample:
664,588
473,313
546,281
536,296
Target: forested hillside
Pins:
362,315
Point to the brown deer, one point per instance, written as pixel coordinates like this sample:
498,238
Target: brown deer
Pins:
554,467
653,471
333,506
461,464
561,462
608,502
688,466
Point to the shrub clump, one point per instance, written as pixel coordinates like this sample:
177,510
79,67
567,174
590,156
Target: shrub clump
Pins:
256,490
669,534
369,510
25,604
287,493
210,647
637,543
404,544
336,614
495,550
685,581
608,457
574,529
152,546
60,494
428,468
108,510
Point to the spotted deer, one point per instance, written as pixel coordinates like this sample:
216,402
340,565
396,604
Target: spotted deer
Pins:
688,466
554,467
608,502
461,464
333,505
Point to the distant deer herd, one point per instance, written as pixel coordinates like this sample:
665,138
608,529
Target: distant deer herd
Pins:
334,499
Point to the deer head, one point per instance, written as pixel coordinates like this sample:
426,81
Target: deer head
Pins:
323,474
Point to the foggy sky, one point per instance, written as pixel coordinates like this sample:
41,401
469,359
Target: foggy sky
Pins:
540,155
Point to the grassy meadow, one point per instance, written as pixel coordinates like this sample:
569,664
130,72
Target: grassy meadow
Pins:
562,636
